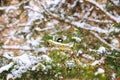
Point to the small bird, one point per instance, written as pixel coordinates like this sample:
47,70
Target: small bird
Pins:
61,46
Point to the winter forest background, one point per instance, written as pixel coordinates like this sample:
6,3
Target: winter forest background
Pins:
59,39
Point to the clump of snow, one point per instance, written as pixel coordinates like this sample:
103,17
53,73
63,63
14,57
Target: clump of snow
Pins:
98,62
6,67
45,58
23,63
79,52
64,37
26,62
70,63
101,50
26,29
115,42
34,42
100,71
77,39
23,59
88,56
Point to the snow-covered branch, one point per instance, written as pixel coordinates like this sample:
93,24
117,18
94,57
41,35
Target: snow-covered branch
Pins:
103,41
26,48
99,21
23,63
6,67
116,19
7,8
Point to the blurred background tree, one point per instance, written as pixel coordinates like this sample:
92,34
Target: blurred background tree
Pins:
60,39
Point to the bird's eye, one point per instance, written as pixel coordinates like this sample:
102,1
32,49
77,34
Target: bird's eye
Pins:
59,40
